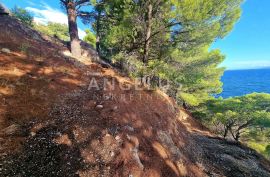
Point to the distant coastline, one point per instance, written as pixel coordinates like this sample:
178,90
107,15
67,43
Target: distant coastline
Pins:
244,81
241,69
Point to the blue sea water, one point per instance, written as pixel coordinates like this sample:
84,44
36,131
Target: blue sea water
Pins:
241,82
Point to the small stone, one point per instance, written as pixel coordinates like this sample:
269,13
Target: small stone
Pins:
5,50
129,128
33,133
99,106
58,133
33,91
128,137
117,138
115,108
112,154
106,97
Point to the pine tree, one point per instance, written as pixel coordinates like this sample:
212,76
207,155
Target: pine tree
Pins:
169,40
72,8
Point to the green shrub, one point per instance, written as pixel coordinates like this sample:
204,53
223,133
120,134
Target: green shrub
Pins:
23,15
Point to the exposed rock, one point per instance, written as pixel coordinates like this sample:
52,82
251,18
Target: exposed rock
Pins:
115,108
67,53
166,139
5,50
106,97
32,133
113,130
99,106
112,154
4,10
118,138
136,157
129,128
13,129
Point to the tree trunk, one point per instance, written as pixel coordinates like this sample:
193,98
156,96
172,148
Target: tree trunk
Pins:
238,133
148,33
225,132
227,128
75,43
98,33
237,136
185,106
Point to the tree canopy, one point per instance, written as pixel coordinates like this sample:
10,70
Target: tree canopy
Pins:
90,38
169,40
54,30
234,116
23,15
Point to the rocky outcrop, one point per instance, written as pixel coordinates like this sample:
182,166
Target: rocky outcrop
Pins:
4,10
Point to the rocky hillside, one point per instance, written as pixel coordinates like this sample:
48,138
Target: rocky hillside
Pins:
57,118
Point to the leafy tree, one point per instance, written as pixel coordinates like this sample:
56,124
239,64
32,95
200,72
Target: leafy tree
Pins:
23,15
90,38
102,14
54,29
238,114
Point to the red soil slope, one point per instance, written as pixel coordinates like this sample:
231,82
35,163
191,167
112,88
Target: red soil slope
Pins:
53,124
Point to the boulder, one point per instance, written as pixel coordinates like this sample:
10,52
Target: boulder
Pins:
5,50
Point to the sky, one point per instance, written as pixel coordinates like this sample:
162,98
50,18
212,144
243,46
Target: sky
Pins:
246,47
44,11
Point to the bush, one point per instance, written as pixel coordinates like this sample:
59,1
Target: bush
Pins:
54,30
90,38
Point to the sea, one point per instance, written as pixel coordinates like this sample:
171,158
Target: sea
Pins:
241,82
